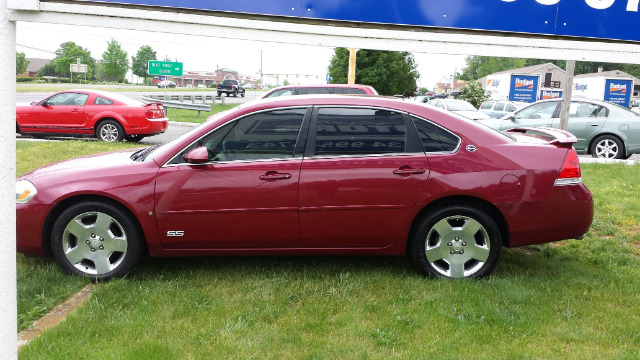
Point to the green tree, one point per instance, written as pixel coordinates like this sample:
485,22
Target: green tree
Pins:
140,61
49,69
21,63
115,61
67,54
389,72
473,93
285,82
481,66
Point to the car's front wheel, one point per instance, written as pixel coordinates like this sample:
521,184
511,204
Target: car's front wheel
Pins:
110,131
96,239
607,147
456,241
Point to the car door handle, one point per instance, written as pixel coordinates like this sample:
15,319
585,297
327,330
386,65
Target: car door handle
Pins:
595,124
408,170
74,111
274,175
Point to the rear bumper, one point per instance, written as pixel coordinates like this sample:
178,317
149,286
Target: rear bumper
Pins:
566,214
153,127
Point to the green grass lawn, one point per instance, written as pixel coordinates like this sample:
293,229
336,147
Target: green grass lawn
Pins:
183,115
568,300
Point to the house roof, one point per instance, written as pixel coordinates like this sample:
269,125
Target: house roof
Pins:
36,64
528,69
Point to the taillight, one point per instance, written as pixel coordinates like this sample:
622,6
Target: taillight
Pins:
155,113
570,171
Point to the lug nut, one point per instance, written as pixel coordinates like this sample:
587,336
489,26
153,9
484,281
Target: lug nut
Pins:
101,238
101,247
93,249
452,252
449,243
464,243
87,242
93,235
461,252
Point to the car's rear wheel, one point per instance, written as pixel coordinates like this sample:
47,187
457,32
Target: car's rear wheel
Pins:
607,147
134,138
219,94
242,94
97,240
457,241
235,93
110,131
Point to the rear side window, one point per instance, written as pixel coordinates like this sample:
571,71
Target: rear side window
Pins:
487,105
349,91
102,101
312,90
435,138
281,92
499,107
351,131
510,107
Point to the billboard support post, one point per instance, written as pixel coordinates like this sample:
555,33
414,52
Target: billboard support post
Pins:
566,98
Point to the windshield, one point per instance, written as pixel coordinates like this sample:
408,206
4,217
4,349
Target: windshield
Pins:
459,106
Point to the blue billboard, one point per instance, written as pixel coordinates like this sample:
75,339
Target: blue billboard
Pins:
601,19
550,94
524,88
618,91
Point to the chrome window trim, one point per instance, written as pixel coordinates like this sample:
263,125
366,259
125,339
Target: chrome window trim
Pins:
363,155
168,162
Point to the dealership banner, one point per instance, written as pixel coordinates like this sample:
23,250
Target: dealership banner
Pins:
618,91
601,19
524,88
550,94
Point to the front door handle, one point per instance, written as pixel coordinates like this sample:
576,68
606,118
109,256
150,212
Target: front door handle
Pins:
408,170
274,175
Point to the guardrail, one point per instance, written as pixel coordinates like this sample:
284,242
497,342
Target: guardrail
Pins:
204,98
179,104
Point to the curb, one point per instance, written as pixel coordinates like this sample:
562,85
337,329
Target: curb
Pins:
591,160
186,124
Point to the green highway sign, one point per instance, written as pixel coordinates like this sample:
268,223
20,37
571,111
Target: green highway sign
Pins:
166,68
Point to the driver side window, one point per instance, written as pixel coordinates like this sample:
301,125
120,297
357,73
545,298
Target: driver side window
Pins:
76,99
265,135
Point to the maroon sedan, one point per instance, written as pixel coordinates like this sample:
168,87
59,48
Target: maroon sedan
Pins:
107,116
312,175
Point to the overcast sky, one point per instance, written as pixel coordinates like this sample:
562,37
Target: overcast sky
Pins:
39,40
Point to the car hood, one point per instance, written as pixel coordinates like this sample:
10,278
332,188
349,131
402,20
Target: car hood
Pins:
474,115
97,162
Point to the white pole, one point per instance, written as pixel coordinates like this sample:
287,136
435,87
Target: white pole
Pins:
8,309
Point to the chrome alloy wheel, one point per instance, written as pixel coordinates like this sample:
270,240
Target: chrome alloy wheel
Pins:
94,243
607,148
109,133
457,246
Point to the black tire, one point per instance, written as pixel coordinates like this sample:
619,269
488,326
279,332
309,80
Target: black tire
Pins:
219,94
607,147
97,240
242,94
134,138
235,93
109,131
17,128
456,241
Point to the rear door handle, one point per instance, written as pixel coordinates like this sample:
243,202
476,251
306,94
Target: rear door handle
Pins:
408,170
274,175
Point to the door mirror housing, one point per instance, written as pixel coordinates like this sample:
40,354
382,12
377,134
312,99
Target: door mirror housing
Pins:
199,155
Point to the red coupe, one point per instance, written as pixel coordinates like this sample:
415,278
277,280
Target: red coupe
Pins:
312,175
107,116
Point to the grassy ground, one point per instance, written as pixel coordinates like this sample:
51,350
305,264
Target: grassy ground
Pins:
569,300
183,115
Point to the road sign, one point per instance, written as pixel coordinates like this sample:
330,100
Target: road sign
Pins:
166,68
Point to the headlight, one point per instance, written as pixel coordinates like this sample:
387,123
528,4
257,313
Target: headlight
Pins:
25,191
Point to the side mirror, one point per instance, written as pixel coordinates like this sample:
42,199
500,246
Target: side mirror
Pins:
199,155
45,103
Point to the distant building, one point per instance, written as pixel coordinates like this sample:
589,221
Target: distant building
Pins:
34,65
445,88
613,74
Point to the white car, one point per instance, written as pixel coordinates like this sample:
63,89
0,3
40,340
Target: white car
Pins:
460,107
499,108
635,106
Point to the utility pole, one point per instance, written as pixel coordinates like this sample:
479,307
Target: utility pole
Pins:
352,66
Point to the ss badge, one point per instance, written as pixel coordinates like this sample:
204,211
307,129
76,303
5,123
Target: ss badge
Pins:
175,233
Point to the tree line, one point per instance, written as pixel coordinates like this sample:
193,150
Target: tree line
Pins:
112,67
